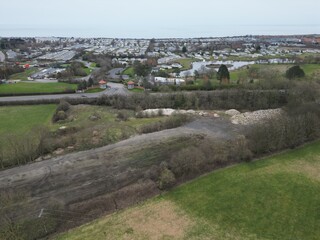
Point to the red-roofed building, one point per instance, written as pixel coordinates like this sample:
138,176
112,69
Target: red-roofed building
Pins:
130,85
103,84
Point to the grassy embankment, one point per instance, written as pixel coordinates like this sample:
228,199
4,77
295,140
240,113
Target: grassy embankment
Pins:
273,198
89,126
30,87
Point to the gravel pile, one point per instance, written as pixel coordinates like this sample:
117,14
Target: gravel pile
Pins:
170,111
232,112
248,118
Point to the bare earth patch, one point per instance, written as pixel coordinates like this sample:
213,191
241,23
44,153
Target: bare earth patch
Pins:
154,220
310,169
158,220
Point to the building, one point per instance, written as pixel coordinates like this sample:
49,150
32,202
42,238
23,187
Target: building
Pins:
103,84
130,85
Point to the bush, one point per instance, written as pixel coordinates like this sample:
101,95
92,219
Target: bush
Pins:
63,106
59,116
123,116
187,161
295,72
166,179
173,121
287,131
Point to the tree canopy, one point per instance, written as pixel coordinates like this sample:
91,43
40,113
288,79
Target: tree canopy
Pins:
141,69
184,49
295,72
223,74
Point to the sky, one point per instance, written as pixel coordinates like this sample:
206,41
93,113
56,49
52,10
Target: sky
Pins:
158,18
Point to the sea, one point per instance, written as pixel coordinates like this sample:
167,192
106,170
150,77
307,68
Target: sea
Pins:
189,31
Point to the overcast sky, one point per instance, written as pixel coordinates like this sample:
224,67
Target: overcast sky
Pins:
154,17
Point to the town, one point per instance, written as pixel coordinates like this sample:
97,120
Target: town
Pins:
79,64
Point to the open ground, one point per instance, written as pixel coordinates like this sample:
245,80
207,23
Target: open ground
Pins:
274,198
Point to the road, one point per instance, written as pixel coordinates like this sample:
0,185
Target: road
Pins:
2,57
115,73
116,89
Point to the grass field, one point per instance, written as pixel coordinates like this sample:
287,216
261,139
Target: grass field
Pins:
87,70
276,198
186,63
24,75
93,65
310,69
94,90
21,119
31,87
129,71
137,90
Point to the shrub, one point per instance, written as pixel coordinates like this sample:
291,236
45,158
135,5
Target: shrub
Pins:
187,161
166,179
63,106
287,131
59,116
295,72
173,121
123,116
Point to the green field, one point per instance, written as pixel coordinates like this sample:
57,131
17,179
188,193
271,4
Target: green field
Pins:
186,63
33,87
137,90
310,69
87,70
21,119
129,71
93,65
24,75
276,198
94,90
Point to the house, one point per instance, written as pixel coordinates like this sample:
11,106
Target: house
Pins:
130,85
103,84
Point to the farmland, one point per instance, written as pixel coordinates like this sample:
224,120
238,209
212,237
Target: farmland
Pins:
273,198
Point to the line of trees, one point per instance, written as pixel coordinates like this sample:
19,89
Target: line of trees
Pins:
7,70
